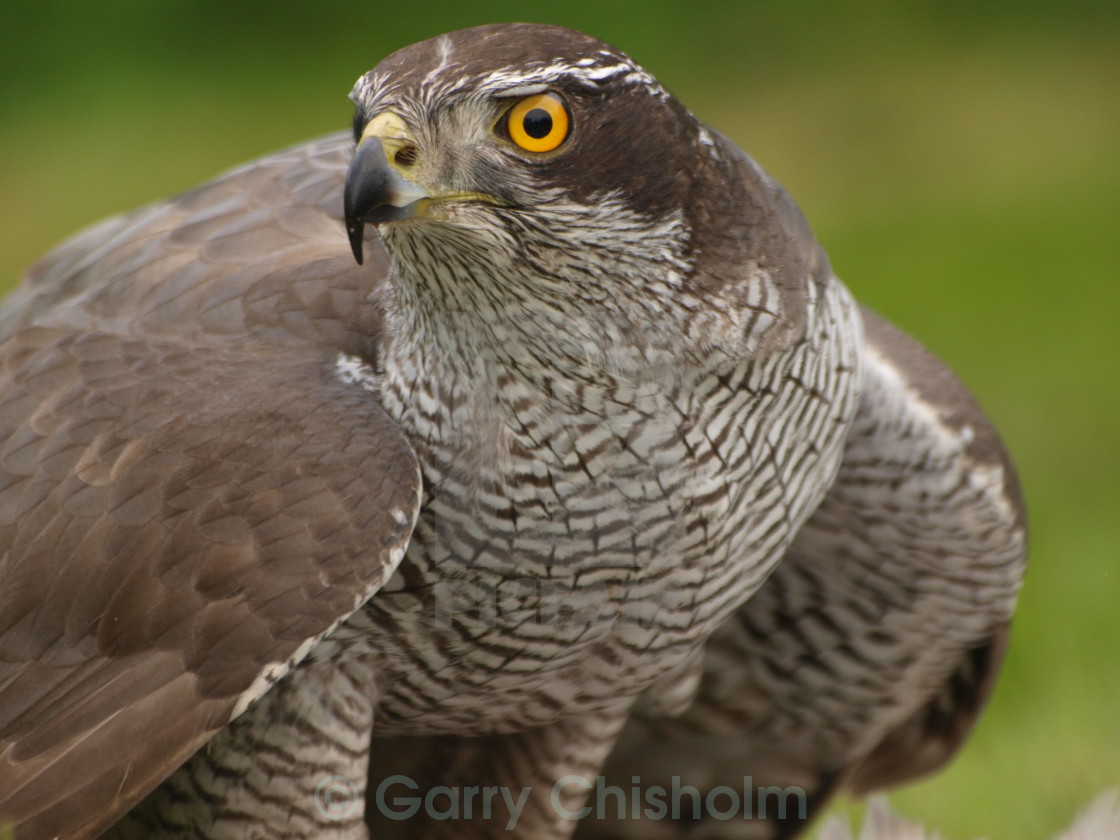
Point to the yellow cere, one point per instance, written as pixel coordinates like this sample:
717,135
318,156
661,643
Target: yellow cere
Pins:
539,123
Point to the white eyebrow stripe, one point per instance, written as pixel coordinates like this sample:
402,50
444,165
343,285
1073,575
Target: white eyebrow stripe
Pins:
600,73
589,72
521,90
501,82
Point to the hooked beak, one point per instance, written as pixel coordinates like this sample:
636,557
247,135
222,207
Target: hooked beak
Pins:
375,191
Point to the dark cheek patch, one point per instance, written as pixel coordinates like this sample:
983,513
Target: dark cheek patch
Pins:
630,143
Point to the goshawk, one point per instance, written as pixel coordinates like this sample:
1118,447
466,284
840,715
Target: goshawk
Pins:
589,445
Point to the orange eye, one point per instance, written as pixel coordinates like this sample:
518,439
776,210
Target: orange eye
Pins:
539,123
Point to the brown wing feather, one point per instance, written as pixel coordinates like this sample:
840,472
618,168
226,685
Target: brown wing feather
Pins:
189,495
171,550
252,257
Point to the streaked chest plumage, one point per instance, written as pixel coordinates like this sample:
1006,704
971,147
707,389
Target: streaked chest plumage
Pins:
584,530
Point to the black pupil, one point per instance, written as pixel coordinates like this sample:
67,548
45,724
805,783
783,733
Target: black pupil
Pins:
537,123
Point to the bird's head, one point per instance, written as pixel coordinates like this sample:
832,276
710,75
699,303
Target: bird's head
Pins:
519,167
478,126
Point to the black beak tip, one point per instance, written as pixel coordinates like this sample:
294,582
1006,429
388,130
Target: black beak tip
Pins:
354,229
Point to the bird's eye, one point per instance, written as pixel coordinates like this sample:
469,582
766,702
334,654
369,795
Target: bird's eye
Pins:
539,123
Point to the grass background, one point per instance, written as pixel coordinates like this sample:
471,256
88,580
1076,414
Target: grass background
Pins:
959,160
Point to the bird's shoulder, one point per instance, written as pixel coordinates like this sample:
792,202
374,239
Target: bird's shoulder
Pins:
753,248
925,417
258,254
190,494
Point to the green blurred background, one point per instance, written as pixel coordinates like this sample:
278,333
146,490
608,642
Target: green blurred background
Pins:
959,160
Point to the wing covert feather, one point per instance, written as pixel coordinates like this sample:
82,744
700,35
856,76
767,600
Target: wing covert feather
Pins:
258,255
189,495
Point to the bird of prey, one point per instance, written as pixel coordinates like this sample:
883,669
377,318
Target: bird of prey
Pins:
587,445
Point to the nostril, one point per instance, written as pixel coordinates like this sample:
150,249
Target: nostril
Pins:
406,155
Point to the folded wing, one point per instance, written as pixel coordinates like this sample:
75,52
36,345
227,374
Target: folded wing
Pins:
190,495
